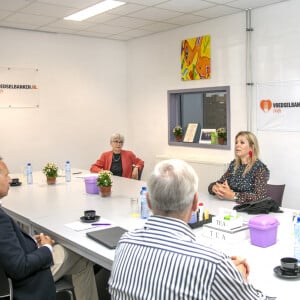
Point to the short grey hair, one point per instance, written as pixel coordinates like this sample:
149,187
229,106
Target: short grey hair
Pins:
117,136
172,186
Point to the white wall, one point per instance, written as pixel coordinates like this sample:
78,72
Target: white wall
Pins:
92,87
83,89
154,68
276,41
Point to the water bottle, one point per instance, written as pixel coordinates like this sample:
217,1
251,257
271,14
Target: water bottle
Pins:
144,205
297,239
200,212
68,171
29,173
193,218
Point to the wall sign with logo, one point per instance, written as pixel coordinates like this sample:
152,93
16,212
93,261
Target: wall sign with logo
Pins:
18,88
278,106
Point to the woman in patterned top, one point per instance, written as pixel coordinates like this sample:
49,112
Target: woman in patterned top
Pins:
246,178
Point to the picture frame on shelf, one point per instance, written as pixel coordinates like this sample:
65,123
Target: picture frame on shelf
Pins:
205,135
190,133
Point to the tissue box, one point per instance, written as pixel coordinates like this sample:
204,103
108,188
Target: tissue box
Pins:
263,230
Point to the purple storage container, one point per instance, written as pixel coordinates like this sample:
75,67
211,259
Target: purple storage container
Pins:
263,230
91,185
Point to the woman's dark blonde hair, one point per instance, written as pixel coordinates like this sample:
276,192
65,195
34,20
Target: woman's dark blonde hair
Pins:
253,143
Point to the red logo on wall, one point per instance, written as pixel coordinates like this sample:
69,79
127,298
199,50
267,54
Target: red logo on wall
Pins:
265,104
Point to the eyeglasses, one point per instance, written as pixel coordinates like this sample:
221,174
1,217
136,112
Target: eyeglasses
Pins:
118,142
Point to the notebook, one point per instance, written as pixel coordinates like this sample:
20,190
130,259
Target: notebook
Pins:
108,237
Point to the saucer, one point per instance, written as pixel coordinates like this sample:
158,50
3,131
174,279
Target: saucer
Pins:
280,273
16,183
84,220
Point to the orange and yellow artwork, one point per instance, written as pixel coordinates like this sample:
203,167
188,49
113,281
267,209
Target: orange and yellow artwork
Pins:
195,58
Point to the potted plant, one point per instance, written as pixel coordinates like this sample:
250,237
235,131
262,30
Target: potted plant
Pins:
104,181
222,135
50,170
177,132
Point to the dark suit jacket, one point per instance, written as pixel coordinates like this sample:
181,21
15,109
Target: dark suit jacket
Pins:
27,265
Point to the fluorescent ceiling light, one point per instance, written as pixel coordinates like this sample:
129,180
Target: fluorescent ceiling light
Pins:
94,10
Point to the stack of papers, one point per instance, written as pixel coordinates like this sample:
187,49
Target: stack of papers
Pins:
80,226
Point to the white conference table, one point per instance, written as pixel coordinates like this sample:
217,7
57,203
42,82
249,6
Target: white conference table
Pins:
46,208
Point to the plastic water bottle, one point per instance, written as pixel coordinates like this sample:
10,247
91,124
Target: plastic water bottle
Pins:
193,218
144,205
297,239
29,173
200,211
68,171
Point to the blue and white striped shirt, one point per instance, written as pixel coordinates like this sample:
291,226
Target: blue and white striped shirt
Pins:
163,261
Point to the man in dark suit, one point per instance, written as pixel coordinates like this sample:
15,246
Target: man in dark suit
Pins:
33,263
26,261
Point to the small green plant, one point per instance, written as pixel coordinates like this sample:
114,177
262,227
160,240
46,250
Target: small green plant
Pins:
222,133
177,130
50,169
104,178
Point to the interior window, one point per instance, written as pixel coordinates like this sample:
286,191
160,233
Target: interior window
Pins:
207,109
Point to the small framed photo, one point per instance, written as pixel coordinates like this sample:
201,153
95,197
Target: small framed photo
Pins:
205,136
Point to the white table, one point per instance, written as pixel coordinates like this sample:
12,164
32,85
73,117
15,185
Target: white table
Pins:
48,208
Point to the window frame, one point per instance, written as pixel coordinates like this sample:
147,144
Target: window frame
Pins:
174,116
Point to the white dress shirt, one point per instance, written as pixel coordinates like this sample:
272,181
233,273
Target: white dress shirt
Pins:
163,261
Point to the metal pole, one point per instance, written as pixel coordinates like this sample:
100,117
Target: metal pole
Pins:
249,83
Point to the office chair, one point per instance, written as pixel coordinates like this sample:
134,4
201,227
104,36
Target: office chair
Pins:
275,191
6,288
102,278
65,289
140,173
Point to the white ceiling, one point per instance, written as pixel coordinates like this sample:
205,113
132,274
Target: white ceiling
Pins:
135,19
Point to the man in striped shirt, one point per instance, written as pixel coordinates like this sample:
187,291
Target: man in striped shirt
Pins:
163,261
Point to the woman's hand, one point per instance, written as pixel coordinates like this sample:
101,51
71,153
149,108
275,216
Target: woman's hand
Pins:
223,191
135,173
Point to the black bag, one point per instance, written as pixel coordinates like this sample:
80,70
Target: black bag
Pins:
263,206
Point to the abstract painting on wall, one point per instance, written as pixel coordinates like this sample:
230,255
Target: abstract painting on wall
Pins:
195,58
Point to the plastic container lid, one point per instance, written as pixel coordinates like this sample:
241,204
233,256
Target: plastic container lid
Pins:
263,222
91,179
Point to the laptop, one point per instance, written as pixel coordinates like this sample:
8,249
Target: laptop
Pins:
108,237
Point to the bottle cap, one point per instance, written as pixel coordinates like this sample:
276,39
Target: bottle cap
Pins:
200,204
298,219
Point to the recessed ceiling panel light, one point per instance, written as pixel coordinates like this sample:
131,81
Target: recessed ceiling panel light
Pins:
94,10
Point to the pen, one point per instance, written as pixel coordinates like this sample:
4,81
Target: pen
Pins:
104,224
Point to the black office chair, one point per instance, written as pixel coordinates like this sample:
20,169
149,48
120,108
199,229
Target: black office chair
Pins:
275,191
102,278
6,288
140,173
65,289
